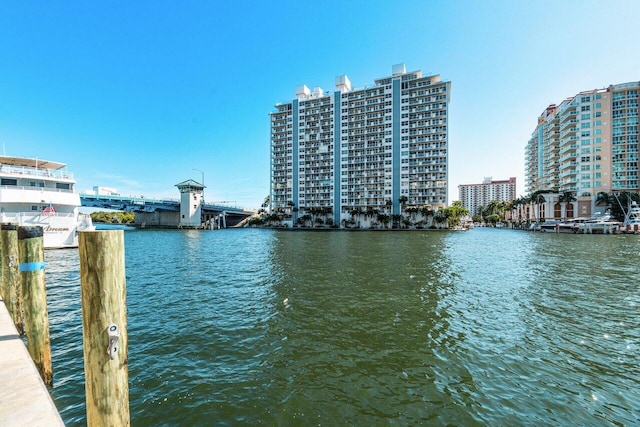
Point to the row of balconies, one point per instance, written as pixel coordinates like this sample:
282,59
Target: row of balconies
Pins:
427,108
568,132
418,179
417,187
281,145
315,154
428,155
567,170
421,146
429,131
436,137
426,124
567,123
426,115
413,100
365,168
427,197
568,147
377,126
434,161
317,164
568,156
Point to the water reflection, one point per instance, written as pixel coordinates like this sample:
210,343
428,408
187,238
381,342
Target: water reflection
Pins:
356,335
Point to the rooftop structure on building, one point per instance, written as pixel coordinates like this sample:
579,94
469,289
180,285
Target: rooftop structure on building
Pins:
364,149
474,195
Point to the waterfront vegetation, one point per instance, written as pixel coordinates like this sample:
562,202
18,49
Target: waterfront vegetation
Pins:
518,213
410,218
113,217
531,207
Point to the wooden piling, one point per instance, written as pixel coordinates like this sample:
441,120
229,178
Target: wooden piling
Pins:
104,327
11,274
36,316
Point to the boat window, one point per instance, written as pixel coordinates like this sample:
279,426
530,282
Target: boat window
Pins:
62,186
34,208
8,181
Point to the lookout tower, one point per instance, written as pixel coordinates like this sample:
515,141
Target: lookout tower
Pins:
190,203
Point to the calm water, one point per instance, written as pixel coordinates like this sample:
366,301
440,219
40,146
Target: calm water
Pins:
486,327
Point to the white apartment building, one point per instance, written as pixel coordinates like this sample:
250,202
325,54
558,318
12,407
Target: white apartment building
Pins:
587,144
361,148
474,195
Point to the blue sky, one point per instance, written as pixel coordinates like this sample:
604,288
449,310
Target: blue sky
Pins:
142,95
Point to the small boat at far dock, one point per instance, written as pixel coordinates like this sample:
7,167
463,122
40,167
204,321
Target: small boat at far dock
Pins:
36,192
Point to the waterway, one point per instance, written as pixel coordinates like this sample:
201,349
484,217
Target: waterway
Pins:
485,327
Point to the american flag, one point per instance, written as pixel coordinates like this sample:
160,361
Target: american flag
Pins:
49,211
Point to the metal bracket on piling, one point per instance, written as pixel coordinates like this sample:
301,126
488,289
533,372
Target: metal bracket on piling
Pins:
112,330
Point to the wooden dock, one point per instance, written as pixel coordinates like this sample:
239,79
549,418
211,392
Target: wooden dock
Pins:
25,400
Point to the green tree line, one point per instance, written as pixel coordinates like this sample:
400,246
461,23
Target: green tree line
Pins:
113,217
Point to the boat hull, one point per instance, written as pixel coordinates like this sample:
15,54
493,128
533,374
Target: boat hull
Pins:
59,232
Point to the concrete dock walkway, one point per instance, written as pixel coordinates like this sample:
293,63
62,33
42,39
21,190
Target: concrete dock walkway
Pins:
24,399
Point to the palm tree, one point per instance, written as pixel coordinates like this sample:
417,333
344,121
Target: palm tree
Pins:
603,198
426,212
566,198
383,218
412,211
539,201
355,215
518,205
267,201
481,212
314,211
454,212
439,216
402,200
325,211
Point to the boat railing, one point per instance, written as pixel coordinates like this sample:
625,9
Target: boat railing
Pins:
7,217
41,173
35,188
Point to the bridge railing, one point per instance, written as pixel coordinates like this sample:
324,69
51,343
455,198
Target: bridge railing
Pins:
142,201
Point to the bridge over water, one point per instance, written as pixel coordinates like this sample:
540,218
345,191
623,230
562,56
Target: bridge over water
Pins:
164,212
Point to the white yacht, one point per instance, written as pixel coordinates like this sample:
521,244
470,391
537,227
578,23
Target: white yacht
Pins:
632,219
36,192
600,224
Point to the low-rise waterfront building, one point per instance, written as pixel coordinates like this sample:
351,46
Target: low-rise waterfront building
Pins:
380,148
474,195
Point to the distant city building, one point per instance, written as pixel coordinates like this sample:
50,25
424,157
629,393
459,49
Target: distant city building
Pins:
474,195
361,148
586,145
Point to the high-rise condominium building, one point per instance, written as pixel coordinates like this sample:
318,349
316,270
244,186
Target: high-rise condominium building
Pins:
474,195
587,144
362,148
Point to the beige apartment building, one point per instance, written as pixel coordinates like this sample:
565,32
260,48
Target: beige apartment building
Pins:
587,144
474,195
